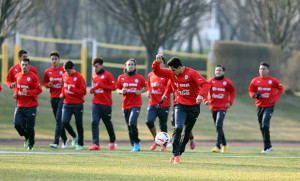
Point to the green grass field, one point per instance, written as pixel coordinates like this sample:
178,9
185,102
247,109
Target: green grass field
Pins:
239,163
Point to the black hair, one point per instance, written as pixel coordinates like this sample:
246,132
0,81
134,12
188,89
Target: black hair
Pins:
97,60
175,62
54,53
68,65
223,68
26,60
131,59
21,52
265,64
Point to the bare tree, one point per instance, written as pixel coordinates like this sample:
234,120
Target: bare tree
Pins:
12,12
153,21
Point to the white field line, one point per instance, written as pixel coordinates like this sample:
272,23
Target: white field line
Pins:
139,154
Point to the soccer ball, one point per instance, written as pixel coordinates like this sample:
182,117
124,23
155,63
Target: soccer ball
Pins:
162,139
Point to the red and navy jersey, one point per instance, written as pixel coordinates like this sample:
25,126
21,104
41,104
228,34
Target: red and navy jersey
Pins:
73,95
267,87
16,69
54,76
31,82
157,92
221,92
188,85
132,84
103,84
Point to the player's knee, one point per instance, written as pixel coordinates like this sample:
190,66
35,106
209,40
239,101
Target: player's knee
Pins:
18,125
150,124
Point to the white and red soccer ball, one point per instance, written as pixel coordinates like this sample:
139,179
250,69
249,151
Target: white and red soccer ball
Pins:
162,139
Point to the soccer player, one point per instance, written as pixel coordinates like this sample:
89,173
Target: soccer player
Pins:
157,86
131,85
73,91
190,88
266,90
222,94
53,81
103,84
10,79
27,88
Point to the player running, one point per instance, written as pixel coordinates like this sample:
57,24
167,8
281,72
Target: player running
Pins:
27,88
131,85
103,84
266,90
222,94
190,88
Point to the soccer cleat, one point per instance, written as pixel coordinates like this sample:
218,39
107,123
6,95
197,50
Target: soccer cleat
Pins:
79,147
30,148
267,151
74,141
95,147
54,145
192,144
163,148
177,159
224,148
26,143
172,159
136,147
111,146
154,145
65,144
215,149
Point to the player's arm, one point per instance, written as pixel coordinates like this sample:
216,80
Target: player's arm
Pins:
203,83
149,86
143,85
159,71
120,88
279,88
36,87
80,87
46,80
10,79
110,86
231,93
253,93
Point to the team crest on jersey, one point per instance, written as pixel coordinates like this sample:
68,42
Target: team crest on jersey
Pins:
61,72
213,81
102,76
136,80
162,78
270,82
75,78
50,72
28,79
16,70
186,77
224,83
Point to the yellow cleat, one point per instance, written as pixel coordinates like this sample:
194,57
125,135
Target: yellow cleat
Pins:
224,148
215,149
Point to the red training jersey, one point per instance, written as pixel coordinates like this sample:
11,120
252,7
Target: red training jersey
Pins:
16,69
31,82
267,87
132,84
221,92
157,92
103,84
188,85
0,88
74,94
54,76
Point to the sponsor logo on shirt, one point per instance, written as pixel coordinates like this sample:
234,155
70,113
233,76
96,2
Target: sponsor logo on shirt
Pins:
184,92
264,89
218,89
55,79
217,96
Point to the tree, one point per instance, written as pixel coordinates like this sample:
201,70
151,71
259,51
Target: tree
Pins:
153,20
12,12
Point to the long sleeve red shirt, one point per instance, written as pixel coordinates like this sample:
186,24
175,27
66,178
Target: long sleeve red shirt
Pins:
54,76
221,92
267,87
103,84
157,92
132,84
0,88
73,95
31,82
16,69
188,85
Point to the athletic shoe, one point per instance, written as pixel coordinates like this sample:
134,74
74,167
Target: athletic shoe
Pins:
65,144
154,145
136,147
79,147
95,147
172,159
169,145
267,151
111,146
74,141
215,149
224,148
192,144
30,148
163,148
177,159
26,143
54,145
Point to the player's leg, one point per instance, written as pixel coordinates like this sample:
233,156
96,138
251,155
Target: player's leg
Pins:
126,113
61,132
260,111
266,125
78,114
95,126
180,118
66,118
219,125
150,119
19,122
106,117
133,119
163,114
30,114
